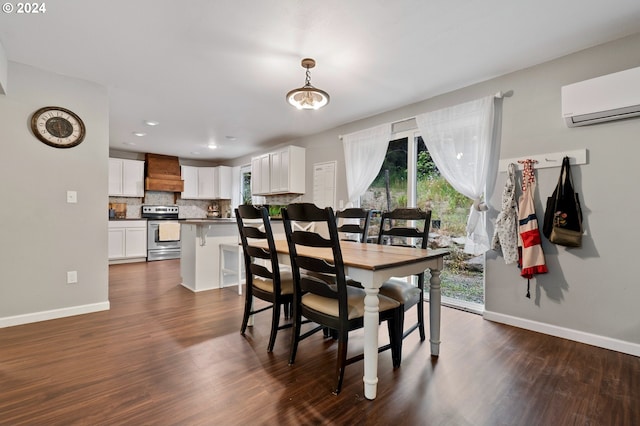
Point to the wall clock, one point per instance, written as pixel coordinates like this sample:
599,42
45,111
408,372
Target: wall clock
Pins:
57,127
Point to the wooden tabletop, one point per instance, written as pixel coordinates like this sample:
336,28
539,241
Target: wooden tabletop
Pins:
366,256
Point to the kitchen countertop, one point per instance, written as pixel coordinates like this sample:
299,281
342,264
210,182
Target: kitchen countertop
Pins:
126,218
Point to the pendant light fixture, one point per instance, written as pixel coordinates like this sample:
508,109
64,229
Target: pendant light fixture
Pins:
307,96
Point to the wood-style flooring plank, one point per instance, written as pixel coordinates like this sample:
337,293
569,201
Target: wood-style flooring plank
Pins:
163,355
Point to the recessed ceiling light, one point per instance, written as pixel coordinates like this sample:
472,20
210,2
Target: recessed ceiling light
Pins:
195,152
128,143
230,138
139,134
151,123
212,146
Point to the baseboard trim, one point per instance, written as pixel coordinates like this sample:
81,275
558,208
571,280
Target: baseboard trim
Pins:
566,333
198,290
53,314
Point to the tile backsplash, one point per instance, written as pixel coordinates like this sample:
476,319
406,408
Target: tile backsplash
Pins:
189,209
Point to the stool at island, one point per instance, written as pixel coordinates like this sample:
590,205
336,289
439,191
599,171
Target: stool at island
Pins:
237,271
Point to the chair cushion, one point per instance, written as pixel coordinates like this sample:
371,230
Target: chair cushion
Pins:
402,291
355,297
286,283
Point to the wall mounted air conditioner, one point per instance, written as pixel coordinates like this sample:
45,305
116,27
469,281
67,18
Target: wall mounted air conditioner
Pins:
607,98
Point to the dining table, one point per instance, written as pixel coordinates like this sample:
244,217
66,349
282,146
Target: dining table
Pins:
372,265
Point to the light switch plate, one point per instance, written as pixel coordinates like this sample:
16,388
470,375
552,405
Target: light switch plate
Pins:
72,277
72,197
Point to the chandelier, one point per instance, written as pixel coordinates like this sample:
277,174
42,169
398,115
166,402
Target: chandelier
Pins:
307,96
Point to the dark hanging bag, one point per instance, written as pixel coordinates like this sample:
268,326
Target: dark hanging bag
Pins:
563,216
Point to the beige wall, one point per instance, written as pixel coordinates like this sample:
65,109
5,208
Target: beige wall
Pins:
43,237
590,294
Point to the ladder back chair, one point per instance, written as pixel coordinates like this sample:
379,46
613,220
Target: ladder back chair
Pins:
352,225
406,227
334,305
354,222
267,283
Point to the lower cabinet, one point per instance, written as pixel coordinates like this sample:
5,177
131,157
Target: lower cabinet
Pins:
127,240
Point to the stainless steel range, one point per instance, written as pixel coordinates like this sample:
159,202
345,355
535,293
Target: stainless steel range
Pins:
163,232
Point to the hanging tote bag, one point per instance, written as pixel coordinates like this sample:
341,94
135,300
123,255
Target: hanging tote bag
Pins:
563,217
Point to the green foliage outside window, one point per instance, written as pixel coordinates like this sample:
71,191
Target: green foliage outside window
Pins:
426,168
433,191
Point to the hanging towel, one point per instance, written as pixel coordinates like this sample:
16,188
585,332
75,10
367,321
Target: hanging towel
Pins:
505,237
532,257
169,231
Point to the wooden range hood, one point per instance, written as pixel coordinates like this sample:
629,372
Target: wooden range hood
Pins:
163,174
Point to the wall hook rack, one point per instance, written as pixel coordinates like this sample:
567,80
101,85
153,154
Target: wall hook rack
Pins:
543,161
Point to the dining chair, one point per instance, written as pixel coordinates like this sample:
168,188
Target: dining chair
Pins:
406,227
264,279
336,306
353,224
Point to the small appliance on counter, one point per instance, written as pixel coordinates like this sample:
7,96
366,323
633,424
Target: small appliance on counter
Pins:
213,211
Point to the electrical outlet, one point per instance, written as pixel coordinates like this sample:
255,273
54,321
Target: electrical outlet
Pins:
72,277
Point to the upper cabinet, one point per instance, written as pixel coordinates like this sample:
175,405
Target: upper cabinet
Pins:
190,177
279,172
206,183
126,178
223,176
260,178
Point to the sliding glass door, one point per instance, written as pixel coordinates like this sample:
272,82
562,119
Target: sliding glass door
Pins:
409,178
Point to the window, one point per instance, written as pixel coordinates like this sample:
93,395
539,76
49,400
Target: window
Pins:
245,184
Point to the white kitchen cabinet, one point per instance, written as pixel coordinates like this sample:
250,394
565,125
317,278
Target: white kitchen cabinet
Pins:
223,182
206,183
279,172
116,242
190,177
126,178
136,241
127,240
260,175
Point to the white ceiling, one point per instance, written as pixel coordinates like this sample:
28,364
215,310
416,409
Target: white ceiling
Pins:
208,70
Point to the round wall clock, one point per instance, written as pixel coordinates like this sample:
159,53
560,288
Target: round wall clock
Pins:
57,127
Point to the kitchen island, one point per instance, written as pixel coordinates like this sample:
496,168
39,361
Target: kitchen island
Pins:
200,255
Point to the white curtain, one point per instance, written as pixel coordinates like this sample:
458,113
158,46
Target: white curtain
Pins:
461,142
364,153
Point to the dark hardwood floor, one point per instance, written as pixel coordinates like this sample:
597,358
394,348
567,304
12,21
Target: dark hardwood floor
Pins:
166,356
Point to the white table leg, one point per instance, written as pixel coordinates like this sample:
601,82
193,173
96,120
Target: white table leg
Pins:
434,311
371,320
